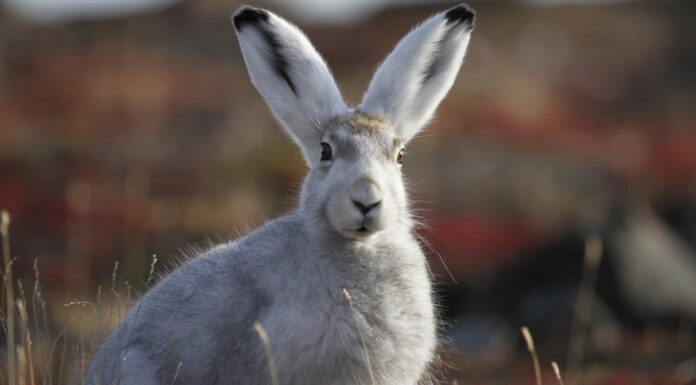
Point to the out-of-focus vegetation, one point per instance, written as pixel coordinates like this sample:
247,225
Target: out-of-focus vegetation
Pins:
139,135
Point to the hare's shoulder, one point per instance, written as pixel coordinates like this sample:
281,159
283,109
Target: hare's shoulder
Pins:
234,266
222,287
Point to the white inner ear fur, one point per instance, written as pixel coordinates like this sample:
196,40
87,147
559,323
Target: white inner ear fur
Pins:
290,75
412,81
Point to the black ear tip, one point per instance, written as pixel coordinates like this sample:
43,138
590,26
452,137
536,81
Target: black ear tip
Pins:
248,15
461,14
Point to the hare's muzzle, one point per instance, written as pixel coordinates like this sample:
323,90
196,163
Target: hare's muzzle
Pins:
365,194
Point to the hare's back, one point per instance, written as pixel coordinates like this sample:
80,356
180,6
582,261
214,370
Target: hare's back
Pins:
204,311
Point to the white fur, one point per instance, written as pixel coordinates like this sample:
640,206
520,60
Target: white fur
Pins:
318,98
196,325
398,91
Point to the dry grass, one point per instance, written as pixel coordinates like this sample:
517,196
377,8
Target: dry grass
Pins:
583,307
37,355
557,372
8,288
263,336
348,297
532,350
581,320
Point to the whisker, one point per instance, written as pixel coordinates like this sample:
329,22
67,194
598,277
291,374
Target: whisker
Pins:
442,260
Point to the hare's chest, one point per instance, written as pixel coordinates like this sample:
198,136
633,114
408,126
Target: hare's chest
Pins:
355,319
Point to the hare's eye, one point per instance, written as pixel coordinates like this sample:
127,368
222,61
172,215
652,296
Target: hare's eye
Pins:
326,153
400,156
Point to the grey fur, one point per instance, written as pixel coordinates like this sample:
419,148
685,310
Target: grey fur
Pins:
196,326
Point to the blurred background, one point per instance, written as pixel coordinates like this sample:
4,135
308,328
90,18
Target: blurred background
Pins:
558,181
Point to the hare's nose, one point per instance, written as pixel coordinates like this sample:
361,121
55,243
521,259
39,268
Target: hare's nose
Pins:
365,208
365,194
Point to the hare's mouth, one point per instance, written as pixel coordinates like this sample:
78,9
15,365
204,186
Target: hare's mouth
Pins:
361,232
367,226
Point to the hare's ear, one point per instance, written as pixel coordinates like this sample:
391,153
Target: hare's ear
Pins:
290,75
414,78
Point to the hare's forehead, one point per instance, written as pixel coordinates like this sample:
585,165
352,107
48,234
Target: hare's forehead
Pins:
359,133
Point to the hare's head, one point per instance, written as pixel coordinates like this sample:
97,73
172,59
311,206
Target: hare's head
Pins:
354,186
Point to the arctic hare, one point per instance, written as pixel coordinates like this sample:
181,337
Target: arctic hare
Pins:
340,286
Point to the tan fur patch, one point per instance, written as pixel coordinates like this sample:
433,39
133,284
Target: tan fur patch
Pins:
363,124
